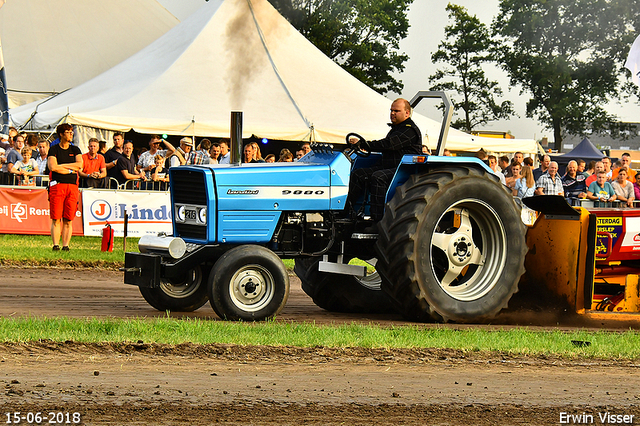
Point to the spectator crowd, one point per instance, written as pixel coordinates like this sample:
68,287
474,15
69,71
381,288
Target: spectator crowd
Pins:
24,162
23,159
599,181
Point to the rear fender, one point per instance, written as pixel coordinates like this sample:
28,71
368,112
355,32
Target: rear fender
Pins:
420,164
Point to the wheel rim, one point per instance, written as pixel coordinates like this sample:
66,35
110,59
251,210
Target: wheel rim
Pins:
371,281
252,288
188,285
468,249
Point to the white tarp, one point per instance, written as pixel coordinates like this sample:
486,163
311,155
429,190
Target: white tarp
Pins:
236,55
633,61
54,45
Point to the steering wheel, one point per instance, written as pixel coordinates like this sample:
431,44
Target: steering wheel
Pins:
357,147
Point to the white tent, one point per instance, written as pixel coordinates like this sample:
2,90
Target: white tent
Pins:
235,55
54,45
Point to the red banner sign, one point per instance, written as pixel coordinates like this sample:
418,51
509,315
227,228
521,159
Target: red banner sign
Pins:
26,211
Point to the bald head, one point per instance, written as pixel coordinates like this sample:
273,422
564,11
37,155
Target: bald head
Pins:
400,111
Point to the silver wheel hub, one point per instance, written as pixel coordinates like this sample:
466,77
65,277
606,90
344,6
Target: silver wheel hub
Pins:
252,288
460,250
184,288
473,240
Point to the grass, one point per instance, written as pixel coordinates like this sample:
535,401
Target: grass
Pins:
36,251
604,345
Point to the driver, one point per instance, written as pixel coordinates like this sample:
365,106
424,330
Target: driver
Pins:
403,138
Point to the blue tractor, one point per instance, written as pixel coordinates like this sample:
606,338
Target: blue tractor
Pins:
450,247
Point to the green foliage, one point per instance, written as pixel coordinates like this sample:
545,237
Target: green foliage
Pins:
569,56
363,36
35,250
466,48
618,345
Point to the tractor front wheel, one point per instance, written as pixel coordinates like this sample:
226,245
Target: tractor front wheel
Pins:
248,283
183,294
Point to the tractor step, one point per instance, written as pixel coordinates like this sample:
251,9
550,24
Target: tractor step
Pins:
341,268
363,236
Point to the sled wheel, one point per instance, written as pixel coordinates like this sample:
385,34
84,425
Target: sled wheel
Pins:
451,246
342,293
248,283
184,294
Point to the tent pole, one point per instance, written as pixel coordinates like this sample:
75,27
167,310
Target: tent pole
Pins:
56,126
193,131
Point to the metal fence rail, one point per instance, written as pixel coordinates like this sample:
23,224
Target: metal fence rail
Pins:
14,180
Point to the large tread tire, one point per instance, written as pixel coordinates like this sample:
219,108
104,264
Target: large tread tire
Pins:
439,209
341,293
185,294
248,283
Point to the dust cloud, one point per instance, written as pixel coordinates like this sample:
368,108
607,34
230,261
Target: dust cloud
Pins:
246,54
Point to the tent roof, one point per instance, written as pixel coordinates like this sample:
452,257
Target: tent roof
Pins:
236,55
585,150
53,45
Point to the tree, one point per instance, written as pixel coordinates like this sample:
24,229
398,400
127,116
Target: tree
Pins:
466,47
568,55
363,36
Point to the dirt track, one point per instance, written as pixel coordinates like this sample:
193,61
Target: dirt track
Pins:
191,384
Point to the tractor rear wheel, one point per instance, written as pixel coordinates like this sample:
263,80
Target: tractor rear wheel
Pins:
342,293
184,294
451,246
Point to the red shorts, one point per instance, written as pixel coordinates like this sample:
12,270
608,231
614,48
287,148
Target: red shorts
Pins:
63,201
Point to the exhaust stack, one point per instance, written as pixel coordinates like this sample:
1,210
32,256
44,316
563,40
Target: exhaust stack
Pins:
236,137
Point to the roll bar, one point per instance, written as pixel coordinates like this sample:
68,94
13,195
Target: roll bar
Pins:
448,113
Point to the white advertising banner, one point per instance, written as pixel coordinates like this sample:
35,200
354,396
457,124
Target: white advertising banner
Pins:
148,212
631,241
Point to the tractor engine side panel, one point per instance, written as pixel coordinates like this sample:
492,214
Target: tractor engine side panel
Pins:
265,187
247,227
252,198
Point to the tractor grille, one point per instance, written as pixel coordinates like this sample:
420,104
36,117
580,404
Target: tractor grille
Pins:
195,232
188,187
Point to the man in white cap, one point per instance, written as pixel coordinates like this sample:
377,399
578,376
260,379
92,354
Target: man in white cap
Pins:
181,155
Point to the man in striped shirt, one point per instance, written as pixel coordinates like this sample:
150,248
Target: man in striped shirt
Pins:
202,155
550,183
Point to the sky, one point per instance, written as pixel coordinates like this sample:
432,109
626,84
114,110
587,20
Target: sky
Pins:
428,19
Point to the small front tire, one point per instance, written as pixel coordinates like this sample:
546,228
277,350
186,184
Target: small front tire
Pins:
184,294
248,283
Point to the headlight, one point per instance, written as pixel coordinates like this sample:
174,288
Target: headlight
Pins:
202,215
180,214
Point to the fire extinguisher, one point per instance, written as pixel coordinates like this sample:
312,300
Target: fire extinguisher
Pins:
107,238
